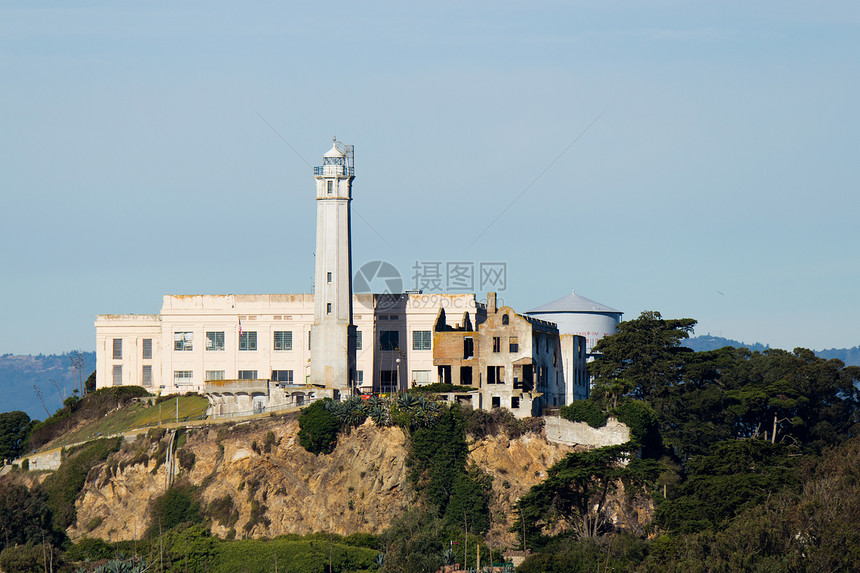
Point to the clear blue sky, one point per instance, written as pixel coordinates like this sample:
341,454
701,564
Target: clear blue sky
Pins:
723,159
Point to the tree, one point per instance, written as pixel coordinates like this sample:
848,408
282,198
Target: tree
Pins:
318,428
15,428
575,492
25,516
643,359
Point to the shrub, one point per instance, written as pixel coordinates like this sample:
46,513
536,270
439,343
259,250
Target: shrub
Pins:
319,428
186,459
643,423
221,510
584,411
64,485
29,557
177,505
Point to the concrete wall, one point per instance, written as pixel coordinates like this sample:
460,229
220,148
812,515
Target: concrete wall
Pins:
570,433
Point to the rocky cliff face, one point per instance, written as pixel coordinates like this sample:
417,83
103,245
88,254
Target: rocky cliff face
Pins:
266,484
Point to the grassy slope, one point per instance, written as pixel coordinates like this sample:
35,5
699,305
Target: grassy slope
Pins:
134,416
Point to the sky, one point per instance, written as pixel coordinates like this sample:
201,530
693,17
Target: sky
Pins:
694,158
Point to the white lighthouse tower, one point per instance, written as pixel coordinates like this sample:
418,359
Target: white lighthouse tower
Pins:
333,334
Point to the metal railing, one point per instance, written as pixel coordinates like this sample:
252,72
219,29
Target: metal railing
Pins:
334,171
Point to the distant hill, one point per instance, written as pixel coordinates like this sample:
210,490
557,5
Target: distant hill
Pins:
708,342
18,374
850,356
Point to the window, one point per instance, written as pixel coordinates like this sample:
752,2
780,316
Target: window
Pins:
514,344
505,319
285,376
215,341
328,277
358,340
497,402
468,347
117,348
117,375
497,344
248,340
147,349
182,377
515,402
329,186
387,379
389,339
215,375
283,340
359,376
182,340
466,375
309,340
328,308
146,375
420,340
495,374
421,377
247,374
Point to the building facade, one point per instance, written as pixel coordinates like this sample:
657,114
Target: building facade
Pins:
253,352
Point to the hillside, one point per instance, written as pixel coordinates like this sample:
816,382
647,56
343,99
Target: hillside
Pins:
18,374
850,356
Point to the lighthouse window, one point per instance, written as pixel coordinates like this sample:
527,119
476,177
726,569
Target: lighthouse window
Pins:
329,187
328,277
328,308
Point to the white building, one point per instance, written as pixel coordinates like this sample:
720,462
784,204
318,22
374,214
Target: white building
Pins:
270,350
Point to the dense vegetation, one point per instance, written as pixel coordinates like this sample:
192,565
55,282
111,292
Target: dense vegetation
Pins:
751,458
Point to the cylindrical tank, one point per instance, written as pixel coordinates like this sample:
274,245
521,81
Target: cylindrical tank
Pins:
575,314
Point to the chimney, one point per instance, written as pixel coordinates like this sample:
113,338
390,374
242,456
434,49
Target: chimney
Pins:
491,303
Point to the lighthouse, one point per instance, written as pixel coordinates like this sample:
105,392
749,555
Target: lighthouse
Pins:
332,339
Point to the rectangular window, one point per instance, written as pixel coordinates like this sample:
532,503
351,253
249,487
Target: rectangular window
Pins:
387,378
515,402
329,186
309,340
358,340
497,344
283,339
215,375
248,340
514,344
495,374
420,340
117,375
182,377
389,339
328,308
117,348
147,349
328,277
359,376
182,341
497,402
215,340
247,374
146,375
421,377
468,347
466,375
284,376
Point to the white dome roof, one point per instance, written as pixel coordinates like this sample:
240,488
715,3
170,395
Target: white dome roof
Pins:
573,303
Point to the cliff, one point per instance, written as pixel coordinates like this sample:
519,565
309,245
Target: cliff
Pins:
256,479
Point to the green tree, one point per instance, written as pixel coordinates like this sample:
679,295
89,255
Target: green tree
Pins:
15,428
575,493
25,516
643,359
318,428
413,543
736,475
